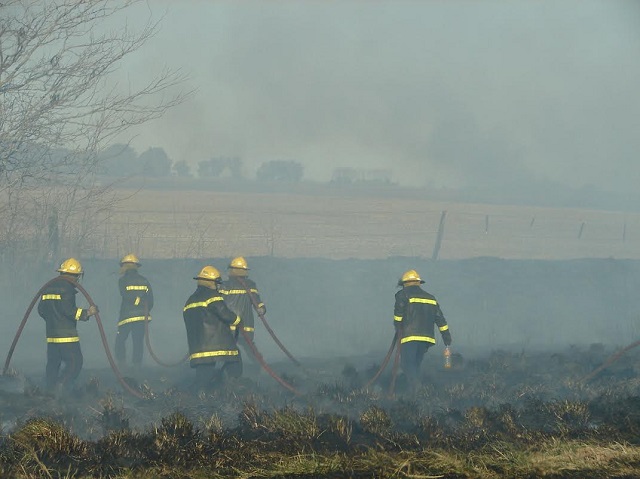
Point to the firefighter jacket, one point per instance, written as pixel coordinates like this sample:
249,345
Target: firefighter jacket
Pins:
57,307
415,314
137,297
208,320
240,301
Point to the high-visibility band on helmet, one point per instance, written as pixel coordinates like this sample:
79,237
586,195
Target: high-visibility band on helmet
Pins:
133,319
137,288
209,354
423,300
203,304
249,329
78,313
397,318
239,291
50,296
444,328
73,339
426,339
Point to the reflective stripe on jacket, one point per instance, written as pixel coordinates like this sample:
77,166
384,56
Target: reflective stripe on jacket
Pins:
207,320
58,308
415,315
137,297
236,297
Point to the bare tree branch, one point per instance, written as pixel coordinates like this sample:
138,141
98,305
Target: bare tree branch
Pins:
60,102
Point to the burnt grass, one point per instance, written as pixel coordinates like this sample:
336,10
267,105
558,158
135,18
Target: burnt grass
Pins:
505,413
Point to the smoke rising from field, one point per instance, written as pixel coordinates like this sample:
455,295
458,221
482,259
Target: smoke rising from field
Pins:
451,94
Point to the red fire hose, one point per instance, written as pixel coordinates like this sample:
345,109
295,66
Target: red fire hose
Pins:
612,359
384,363
394,374
103,336
151,352
266,324
265,366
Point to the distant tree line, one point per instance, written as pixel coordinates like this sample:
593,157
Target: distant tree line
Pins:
122,160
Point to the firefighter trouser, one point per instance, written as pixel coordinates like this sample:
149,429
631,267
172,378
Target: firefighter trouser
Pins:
67,353
136,329
207,374
411,355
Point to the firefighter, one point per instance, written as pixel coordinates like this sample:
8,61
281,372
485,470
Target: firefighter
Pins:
58,308
415,314
137,302
240,294
208,321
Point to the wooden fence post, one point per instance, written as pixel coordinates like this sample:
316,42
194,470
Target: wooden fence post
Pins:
436,247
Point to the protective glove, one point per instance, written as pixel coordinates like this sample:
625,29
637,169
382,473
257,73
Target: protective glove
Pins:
92,311
262,310
446,337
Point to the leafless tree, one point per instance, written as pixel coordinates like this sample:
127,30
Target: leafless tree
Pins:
60,104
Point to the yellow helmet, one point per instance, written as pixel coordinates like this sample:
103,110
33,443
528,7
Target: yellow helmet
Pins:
130,258
410,275
70,266
239,263
209,273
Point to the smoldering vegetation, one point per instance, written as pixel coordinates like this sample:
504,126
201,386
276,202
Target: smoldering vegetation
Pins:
510,406
505,413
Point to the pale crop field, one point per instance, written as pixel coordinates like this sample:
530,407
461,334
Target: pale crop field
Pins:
191,224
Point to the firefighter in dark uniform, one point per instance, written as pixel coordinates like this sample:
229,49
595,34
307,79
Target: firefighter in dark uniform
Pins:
415,315
58,308
208,321
137,302
240,294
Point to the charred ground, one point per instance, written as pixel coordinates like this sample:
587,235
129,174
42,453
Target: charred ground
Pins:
515,404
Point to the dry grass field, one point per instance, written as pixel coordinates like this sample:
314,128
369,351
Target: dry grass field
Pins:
335,224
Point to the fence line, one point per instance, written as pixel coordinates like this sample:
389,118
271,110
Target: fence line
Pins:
373,233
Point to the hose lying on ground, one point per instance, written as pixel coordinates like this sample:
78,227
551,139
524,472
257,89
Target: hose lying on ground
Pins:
103,336
612,359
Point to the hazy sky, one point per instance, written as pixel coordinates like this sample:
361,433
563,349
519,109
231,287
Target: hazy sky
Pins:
441,92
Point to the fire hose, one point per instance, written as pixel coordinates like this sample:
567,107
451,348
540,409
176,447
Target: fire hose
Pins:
265,366
384,363
256,307
248,340
394,373
148,343
103,336
266,324
612,359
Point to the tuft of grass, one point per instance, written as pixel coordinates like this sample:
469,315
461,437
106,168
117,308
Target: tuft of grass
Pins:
290,423
375,420
112,417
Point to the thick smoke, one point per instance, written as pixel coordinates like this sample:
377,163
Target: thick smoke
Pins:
447,94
